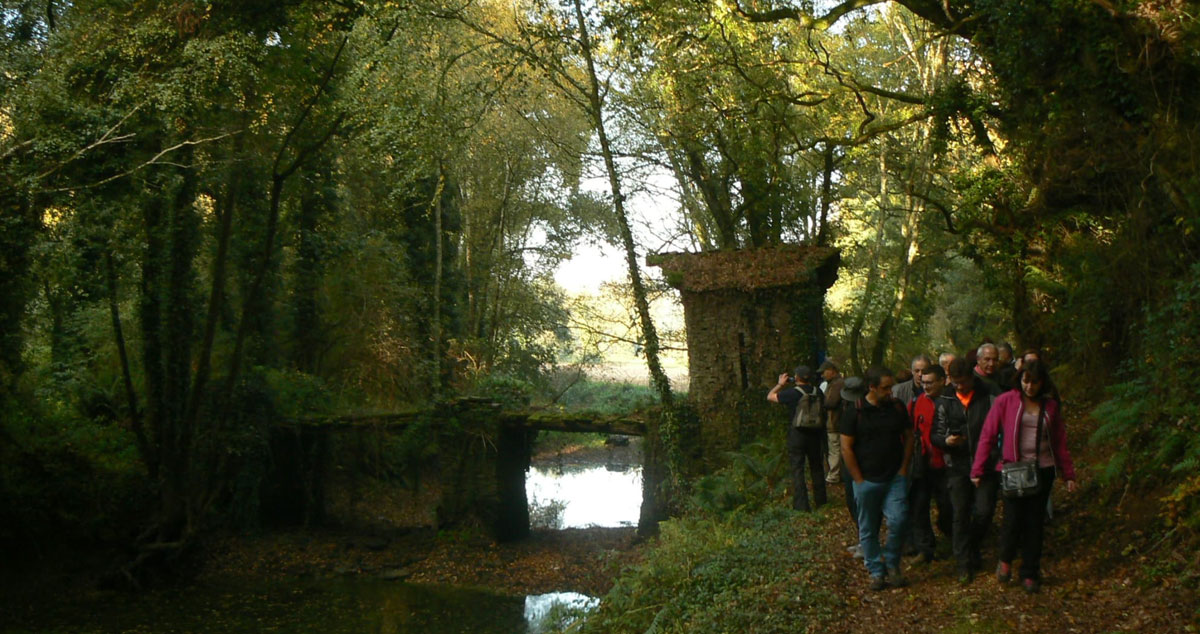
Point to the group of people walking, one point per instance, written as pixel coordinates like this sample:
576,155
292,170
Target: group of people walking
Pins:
962,434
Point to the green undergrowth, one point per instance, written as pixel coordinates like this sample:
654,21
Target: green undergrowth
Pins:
737,561
606,397
1151,420
746,571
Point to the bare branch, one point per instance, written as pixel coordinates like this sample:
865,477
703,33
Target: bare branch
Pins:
104,139
937,204
803,18
15,148
312,102
154,160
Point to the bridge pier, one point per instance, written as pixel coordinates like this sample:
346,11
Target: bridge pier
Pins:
514,449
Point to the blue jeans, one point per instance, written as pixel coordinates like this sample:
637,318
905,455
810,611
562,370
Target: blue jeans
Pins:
878,501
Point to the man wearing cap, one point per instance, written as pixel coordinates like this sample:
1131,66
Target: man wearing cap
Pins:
831,385
803,443
877,447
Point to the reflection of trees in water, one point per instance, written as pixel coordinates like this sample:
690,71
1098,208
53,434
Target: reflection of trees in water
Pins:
556,611
546,515
578,496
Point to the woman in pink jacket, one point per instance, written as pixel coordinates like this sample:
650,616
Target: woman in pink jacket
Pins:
1015,418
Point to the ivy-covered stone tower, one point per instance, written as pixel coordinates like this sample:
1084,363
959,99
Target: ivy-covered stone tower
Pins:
750,315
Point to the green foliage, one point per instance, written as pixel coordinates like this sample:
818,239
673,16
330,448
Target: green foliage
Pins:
1152,417
65,479
607,397
754,478
747,571
397,197
508,390
556,441
297,394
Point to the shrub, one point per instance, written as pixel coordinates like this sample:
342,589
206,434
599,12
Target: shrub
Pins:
65,479
1152,418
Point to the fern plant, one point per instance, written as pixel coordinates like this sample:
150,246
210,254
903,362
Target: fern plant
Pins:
1152,419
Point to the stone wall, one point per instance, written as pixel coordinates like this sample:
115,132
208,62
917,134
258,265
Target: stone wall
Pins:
751,314
738,344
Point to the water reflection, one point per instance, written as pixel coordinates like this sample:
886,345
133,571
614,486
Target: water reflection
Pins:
577,496
330,606
552,612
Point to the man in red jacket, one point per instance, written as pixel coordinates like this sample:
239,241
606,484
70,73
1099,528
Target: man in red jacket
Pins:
928,472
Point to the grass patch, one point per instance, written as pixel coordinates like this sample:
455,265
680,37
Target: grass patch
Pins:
607,398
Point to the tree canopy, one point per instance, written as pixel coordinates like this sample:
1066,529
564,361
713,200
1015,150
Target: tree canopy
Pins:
216,212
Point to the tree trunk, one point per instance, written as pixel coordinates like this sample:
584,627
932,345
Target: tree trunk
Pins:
135,416
150,311
307,335
216,294
180,332
435,207
658,377
826,193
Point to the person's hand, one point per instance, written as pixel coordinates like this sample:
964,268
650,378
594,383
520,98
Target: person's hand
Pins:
955,440
782,379
975,481
1070,486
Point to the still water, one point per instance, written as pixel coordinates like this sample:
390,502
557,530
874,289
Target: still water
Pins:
582,496
561,496
333,606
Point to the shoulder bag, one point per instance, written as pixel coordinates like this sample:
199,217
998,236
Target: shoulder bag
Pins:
1020,479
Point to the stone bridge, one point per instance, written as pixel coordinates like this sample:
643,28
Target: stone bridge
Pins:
484,452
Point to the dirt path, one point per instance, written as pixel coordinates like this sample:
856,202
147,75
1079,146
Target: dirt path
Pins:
1094,566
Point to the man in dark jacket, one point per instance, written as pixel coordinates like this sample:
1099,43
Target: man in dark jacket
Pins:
804,443
958,421
907,391
877,448
1006,369
986,358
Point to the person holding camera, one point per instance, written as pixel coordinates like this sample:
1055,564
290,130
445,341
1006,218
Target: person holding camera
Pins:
805,435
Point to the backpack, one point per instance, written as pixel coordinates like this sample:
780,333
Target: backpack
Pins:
810,410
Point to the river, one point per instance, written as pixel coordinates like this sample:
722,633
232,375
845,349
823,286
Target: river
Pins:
563,495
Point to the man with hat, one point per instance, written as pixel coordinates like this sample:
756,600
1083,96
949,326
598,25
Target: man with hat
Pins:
806,434
831,385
